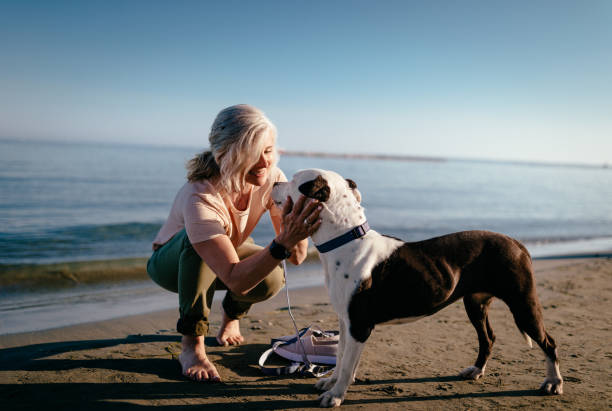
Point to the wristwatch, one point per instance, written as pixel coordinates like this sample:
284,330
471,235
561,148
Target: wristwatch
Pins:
278,251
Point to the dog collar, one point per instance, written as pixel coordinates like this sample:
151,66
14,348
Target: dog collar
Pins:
354,234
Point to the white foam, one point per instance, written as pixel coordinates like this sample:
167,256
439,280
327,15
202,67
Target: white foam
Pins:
573,247
24,312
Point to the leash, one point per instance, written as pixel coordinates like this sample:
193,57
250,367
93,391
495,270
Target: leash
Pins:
307,362
307,369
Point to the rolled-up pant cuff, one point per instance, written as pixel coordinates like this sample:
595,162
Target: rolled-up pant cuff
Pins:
192,326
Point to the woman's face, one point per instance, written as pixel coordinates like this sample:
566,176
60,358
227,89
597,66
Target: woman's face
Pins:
258,174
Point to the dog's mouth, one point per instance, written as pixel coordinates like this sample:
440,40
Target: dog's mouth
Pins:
276,198
276,195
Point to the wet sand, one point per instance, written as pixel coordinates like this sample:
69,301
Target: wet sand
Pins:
130,362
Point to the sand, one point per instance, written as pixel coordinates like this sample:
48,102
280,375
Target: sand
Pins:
130,362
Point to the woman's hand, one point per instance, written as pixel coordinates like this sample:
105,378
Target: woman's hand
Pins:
299,221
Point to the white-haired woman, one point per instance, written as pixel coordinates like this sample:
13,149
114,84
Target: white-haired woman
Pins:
204,245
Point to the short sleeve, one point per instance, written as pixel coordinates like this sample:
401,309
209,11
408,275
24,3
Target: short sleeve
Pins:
202,221
275,211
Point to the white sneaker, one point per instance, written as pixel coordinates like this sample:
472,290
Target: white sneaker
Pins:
321,346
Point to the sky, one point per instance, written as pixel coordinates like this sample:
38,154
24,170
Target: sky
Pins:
512,80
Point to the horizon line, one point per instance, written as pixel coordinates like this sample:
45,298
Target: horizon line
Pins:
322,154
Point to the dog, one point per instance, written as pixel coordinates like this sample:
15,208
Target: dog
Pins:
373,279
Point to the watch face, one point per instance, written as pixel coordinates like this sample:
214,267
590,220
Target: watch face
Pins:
278,251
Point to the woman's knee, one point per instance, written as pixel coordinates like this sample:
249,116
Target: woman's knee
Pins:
163,266
276,280
162,275
269,287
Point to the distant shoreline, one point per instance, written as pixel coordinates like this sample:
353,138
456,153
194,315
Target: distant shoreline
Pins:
318,154
387,157
429,159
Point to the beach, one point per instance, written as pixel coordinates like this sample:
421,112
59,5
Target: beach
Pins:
130,362
123,127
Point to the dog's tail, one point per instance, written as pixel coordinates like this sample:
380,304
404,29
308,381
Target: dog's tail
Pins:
527,339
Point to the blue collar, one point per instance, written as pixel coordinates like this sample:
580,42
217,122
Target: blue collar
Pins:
354,234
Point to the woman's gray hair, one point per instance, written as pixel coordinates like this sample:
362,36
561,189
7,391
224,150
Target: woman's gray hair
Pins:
236,142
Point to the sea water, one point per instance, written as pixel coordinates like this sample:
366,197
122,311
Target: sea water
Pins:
69,202
76,202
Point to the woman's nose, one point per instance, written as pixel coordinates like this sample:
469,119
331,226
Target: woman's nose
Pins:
263,161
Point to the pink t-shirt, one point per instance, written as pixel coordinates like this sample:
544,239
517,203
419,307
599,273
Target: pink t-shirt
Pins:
205,214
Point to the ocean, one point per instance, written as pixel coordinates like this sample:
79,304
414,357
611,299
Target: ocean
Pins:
77,202
63,202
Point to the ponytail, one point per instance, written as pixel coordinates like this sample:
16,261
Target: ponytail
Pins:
202,167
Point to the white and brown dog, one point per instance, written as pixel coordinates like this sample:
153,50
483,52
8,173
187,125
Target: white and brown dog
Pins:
374,279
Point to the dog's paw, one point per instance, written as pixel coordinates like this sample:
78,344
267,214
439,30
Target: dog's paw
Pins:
325,384
331,399
552,386
472,373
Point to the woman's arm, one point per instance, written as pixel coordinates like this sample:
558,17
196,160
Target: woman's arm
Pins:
242,276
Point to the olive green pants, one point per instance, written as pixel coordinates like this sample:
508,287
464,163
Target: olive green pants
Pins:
177,267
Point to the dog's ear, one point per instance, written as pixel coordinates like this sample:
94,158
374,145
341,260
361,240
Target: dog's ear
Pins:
353,186
317,188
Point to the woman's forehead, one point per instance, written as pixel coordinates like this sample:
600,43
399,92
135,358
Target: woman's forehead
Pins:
270,139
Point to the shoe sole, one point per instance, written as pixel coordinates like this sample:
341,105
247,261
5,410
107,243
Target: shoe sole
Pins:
317,359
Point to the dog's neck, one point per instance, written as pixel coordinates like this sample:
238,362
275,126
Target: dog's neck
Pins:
338,221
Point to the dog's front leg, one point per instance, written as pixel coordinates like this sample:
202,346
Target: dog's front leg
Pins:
325,384
346,371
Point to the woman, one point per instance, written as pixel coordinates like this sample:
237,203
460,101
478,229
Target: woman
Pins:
204,245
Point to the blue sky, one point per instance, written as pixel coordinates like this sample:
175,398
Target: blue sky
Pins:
524,80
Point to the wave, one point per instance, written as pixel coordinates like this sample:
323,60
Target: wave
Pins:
91,242
133,239
77,243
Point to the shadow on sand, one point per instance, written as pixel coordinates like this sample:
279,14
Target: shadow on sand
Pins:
175,390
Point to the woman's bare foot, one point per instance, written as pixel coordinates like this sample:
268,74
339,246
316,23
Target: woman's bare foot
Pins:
194,361
229,332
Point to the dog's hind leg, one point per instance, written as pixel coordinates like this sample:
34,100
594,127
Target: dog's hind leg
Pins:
476,306
528,317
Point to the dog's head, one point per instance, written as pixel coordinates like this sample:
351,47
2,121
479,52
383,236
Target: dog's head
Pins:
340,198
